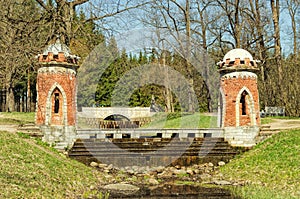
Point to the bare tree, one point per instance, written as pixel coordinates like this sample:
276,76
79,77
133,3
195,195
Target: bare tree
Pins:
19,40
293,7
260,37
233,26
60,15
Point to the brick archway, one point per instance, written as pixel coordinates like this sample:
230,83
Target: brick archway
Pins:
49,104
250,110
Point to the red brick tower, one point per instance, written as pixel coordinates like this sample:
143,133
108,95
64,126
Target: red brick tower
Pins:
239,93
239,101
56,92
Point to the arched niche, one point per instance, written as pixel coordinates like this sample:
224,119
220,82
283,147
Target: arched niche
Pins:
56,106
245,112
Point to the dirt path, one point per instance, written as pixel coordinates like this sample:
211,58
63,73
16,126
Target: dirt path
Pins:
12,128
282,124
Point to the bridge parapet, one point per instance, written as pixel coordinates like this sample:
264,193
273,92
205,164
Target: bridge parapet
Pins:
103,112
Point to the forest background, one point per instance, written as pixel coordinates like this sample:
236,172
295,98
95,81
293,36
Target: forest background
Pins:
263,27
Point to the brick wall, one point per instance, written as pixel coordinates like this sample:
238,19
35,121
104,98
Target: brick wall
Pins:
59,80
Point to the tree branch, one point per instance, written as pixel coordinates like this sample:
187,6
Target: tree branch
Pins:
41,3
78,2
114,13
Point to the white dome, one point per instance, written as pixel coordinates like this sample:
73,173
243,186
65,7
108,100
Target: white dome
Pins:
237,53
56,48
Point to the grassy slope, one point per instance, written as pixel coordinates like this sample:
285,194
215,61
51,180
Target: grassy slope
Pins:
29,170
272,167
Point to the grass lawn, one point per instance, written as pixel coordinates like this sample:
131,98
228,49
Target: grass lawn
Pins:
266,120
182,120
272,168
16,118
31,170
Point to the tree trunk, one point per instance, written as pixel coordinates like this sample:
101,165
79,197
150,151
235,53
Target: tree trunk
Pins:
260,43
275,16
66,16
237,25
169,100
28,101
191,107
293,9
10,99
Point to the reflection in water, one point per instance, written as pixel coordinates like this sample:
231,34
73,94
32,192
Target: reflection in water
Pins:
177,191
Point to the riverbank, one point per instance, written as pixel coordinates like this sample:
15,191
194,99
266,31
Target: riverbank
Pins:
30,169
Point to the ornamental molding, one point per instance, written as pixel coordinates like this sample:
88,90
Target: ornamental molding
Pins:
57,70
239,75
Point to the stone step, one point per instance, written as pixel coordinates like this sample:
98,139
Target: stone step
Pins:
269,132
265,127
31,130
146,145
131,149
61,146
161,140
147,149
156,154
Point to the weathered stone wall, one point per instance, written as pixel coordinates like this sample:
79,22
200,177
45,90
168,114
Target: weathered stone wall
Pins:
232,85
60,136
64,79
243,136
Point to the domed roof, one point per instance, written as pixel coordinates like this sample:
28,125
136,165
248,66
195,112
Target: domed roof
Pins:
237,53
56,48
59,53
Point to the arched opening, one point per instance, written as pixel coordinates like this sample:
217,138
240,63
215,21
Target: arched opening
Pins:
245,113
116,117
116,121
57,103
243,102
56,106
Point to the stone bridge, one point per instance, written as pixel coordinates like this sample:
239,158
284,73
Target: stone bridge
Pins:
126,112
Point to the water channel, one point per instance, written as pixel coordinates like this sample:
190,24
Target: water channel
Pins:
169,191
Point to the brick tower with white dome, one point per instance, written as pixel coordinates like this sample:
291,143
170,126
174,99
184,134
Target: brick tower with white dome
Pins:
239,101
56,94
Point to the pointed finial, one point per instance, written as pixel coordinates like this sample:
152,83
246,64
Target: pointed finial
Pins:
57,39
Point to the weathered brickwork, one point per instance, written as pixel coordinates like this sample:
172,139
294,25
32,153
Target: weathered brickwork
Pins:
57,82
232,89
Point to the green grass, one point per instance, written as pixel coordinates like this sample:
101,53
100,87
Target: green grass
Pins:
272,168
266,120
182,120
29,170
16,118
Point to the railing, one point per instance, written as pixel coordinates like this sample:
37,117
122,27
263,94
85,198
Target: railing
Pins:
273,111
